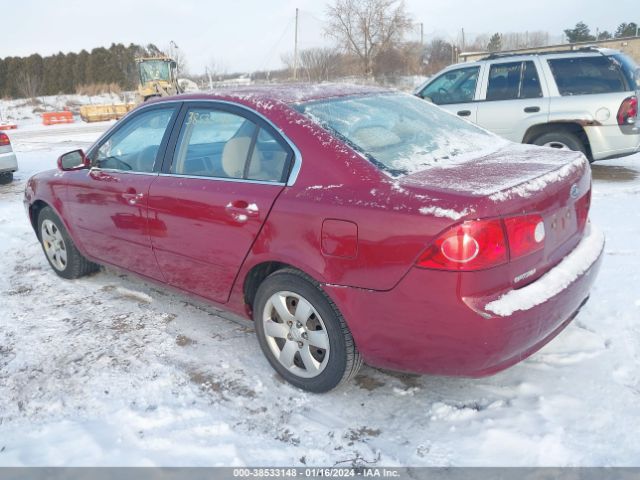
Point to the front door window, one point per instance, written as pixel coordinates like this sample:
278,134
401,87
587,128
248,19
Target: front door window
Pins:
134,147
454,86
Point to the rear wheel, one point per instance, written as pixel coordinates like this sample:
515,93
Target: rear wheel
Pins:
6,178
562,141
61,252
302,333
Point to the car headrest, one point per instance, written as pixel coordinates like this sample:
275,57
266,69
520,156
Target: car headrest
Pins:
234,157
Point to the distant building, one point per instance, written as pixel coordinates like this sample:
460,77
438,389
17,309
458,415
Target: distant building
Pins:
628,45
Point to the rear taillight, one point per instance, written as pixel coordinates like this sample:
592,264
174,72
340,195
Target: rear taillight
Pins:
482,244
628,111
526,235
472,245
582,210
4,140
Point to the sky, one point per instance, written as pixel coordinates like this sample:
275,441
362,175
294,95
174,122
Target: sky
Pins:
247,35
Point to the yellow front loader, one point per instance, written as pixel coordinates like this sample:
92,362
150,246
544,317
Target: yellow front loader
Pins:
158,77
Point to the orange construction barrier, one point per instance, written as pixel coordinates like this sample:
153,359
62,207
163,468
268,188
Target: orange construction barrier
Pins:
53,118
8,126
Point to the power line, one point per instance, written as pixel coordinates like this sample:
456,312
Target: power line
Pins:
271,53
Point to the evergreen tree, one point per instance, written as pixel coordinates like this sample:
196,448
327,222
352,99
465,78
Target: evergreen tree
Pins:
580,33
495,43
626,30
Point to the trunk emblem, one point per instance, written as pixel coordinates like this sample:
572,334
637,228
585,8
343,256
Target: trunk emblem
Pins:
575,191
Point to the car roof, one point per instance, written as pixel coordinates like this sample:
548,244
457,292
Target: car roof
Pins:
515,56
290,94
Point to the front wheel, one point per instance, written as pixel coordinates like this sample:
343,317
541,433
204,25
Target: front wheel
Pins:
303,334
61,252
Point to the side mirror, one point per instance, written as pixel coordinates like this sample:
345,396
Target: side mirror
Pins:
75,160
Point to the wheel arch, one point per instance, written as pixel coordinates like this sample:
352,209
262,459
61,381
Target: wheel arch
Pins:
572,127
258,274
34,211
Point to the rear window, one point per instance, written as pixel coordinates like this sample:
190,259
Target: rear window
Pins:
588,75
400,133
630,70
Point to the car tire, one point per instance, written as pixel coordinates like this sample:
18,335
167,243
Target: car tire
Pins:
59,249
561,140
302,333
6,178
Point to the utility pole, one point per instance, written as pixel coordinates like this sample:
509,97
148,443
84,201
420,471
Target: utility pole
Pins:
295,50
206,69
421,33
463,42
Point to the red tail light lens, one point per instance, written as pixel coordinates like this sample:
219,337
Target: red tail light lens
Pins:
582,210
628,111
4,140
473,245
526,234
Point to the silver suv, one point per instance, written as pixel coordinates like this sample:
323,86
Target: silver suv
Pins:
584,100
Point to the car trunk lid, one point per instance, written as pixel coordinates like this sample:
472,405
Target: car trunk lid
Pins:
520,180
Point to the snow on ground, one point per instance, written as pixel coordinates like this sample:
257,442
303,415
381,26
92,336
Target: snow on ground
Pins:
110,370
26,112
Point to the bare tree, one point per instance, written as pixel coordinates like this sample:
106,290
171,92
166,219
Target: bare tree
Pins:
216,68
367,27
438,53
515,40
287,59
319,64
173,51
29,84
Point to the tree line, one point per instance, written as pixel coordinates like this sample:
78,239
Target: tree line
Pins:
31,76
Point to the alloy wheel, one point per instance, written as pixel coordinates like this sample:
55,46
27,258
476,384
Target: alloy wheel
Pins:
556,144
54,245
296,334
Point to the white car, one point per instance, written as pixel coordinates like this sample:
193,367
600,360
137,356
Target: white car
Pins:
8,161
584,100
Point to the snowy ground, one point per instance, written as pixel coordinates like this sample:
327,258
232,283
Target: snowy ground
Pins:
110,370
26,112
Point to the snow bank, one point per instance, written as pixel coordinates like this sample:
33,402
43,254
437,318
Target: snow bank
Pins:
556,280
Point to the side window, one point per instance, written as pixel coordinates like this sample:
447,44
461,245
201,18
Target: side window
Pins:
269,159
216,143
587,75
504,81
530,87
135,146
455,86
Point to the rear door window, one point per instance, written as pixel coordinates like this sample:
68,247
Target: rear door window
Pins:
455,86
630,69
220,144
512,81
588,75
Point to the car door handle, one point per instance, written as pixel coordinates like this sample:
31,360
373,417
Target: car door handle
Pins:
241,210
132,198
531,109
464,113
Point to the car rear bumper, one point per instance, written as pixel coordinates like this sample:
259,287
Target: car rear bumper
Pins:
8,162
424,326
612,141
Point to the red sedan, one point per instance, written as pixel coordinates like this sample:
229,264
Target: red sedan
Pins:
351,223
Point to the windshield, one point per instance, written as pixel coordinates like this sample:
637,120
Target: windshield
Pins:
153,70
400,133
